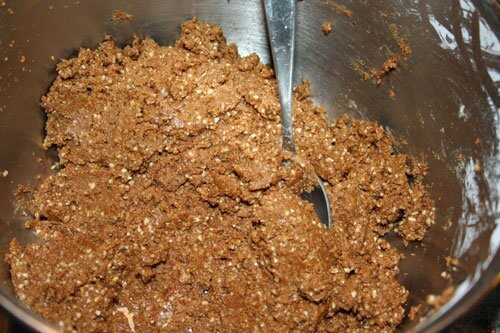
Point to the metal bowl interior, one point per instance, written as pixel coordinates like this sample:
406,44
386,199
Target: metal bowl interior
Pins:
446,108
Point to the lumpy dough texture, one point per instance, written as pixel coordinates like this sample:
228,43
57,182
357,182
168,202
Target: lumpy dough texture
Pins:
173,209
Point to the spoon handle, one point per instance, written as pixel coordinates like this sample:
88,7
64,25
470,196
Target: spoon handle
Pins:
281,17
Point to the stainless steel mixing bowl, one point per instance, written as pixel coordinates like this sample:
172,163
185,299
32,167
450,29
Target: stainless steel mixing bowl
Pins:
446,108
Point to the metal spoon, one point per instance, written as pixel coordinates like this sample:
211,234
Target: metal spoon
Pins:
281,17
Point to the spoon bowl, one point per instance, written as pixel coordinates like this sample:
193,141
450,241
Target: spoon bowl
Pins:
281,17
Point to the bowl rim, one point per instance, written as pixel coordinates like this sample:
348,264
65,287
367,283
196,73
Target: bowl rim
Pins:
444,317
489,279
25,315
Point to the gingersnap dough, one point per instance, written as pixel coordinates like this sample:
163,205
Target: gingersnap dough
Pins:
173,211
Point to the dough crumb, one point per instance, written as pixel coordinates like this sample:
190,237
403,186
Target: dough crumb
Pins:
5,173
437,301
327,28
343,10
121,16
414,311
452,262
391,94
393,63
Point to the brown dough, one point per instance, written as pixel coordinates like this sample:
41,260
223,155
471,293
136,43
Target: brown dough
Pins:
173,210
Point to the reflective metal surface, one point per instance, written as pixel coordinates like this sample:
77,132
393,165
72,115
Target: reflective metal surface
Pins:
281,17
446,107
